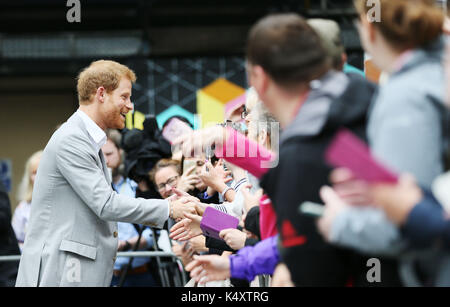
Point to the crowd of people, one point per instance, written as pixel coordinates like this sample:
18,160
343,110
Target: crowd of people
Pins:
302,95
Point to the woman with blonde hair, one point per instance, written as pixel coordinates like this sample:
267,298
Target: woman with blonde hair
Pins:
22,212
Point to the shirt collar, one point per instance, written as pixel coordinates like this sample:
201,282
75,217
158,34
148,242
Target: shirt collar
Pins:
98,136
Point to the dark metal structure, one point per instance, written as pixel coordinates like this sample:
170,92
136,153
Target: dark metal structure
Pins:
175,46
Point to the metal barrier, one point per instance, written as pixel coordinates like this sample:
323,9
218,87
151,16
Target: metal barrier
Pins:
149,254
119,254
263,279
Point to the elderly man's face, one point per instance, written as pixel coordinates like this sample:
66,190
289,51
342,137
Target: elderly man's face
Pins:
117,104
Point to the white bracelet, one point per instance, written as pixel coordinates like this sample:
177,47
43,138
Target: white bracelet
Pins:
225,191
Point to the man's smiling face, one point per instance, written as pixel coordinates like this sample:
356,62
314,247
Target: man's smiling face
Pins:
117,105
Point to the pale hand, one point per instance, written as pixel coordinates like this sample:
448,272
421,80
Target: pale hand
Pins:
251,200
334,205
187,228
198,244
234,238
397,200
209,267
282,277
352,190
179,207
193,144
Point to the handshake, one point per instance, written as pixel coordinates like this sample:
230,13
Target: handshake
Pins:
181,203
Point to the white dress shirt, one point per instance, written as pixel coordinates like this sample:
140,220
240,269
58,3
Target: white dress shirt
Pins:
97,135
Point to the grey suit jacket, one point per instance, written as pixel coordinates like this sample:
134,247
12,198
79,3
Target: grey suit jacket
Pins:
72,233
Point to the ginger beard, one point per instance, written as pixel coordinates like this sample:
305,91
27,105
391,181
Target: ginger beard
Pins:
117,104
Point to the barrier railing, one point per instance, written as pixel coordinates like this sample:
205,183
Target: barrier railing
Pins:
263,279
119,254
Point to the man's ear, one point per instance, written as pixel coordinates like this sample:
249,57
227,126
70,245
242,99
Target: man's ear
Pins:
100,94
259,80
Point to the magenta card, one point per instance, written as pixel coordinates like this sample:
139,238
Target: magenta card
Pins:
246,154
214,221
347,150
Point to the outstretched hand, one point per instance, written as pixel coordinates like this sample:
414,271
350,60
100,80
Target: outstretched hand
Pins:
187,228
209,267
193,144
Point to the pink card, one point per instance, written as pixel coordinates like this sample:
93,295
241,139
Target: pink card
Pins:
246,154
214,221
175,128
347,150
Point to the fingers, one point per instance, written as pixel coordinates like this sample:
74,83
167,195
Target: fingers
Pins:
176,227
198,261
202,277
208,165
195,271
179,193
339,175
328,195
223,233
354,192
192,177
192,265
178,234
184,237
172,197
182,138
190,170
407,179
228,179
200,209
193,217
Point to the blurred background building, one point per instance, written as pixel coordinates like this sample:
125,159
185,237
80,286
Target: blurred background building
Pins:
176,47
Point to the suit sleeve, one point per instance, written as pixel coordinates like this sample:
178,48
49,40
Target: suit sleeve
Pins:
78,166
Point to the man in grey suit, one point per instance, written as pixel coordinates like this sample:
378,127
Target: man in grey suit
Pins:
72,235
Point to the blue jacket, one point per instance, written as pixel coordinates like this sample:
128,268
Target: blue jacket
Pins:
427,223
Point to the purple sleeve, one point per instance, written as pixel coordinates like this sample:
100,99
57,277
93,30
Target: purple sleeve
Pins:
255,260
